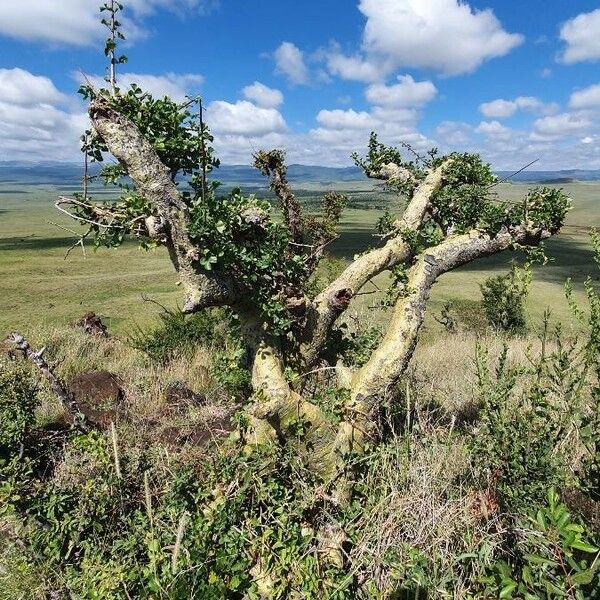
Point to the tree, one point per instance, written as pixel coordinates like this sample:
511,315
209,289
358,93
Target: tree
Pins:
229,250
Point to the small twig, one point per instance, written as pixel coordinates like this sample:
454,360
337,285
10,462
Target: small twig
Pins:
515,173
59,388
146,298
79,242
415,153
63,200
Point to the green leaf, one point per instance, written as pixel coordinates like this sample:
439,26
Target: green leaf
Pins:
508,589
580,545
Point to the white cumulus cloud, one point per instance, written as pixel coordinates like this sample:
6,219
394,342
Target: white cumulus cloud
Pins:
581,35
502,109
407,92
562,125
35,124
289,61
263,95
493,129
18,86
76,22
586,98
355,68
243,118
448,36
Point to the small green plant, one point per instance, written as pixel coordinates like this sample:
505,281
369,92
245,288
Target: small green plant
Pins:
520,425
360,344
504,299
18,401
554,559
177,334
447,319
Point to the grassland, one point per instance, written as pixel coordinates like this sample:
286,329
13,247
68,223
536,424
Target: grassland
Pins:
39,287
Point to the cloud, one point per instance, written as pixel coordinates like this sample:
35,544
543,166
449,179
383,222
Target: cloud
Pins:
173,85
454,133
289,61
581,37
447,36
407,92
342,132
77,22
354,68
243,118
498,109
502,109
262,95
345,119
21,87
493,129
562,125
34,124
588,97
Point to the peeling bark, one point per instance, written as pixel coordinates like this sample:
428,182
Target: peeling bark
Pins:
153,180
332,301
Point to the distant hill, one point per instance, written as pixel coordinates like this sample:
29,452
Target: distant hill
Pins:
555,177
55,173
70,173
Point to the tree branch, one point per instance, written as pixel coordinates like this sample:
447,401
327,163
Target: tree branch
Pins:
335,299
59,388
271,164
388,363
153,181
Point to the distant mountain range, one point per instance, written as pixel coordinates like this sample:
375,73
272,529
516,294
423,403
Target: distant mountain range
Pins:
54,173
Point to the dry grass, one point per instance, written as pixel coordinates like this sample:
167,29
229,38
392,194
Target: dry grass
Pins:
444,369
423,519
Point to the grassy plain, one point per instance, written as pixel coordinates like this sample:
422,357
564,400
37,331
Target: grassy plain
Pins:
39,287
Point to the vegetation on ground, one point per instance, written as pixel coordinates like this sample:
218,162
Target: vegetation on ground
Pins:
270,439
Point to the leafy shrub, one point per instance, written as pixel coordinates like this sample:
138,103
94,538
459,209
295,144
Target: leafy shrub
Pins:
231,371
177,334
504,300
18,401
235,526
513,447
360,345
552,559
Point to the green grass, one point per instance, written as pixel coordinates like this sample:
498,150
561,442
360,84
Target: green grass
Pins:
40,287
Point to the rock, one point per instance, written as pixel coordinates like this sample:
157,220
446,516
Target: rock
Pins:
99,396
92,325
178,393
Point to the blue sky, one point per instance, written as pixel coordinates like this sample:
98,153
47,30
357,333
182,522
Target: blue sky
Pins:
514,81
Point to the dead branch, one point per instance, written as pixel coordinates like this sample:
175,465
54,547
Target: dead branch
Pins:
59,388
271,164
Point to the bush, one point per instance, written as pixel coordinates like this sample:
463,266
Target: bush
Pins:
504,300
177,334
552,558
513,448
18,401
179,531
